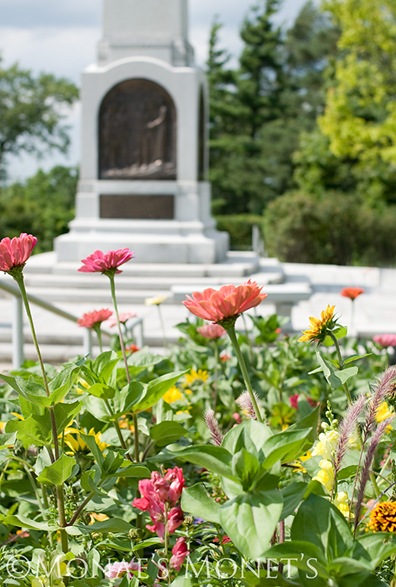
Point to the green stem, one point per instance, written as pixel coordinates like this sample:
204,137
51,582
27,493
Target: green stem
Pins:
80,508
245,374
342,365
59,490
98,331
128,375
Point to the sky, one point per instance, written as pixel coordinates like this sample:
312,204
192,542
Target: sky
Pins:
61,37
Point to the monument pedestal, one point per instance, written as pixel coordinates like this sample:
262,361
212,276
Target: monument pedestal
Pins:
144,143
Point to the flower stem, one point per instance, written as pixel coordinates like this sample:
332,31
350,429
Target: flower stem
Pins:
59,490
245,374
128,376
342,365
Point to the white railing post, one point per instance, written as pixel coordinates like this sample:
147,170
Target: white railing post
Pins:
87,342
17,332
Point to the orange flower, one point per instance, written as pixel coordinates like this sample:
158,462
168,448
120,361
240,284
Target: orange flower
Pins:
223,306
352,292
319,326
383,517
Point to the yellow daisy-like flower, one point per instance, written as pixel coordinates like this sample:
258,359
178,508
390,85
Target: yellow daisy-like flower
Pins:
383,412
74,441
194,376
172,395
319,326
383,517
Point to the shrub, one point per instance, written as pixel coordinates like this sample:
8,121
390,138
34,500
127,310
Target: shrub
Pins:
239,227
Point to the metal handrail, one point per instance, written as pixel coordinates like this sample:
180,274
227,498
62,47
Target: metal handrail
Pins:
17,337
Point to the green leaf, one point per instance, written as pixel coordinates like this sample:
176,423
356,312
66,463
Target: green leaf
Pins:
58,472
167,432
379,547
101,390
214,458
28,523
35,429
93,447
292,495
116,525
132,471
285,446
61,384
250,520
64,414
156,389
301,554
251,435
196,501
246,467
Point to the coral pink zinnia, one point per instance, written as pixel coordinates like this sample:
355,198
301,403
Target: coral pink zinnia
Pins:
94,318
352,292
107,263
14,252
226,304
385,340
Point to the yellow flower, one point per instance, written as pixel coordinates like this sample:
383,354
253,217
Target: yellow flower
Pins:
155,301
172,395
325,476
194,376
319,326
326,445
383,412
73,440
94,517
383,517
342,503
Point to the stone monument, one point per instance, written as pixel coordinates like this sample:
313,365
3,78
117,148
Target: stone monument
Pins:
143,175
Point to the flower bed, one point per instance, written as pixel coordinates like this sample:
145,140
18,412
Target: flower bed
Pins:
243,457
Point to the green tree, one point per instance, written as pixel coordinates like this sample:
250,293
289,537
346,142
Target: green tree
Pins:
42,205
359,120
32,112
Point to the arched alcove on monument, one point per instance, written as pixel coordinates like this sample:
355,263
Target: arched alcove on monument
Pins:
137,132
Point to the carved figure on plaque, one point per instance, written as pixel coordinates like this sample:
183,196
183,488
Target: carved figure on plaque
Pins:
137,132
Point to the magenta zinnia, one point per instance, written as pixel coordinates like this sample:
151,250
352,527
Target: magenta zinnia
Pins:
107,263
14,252
226,304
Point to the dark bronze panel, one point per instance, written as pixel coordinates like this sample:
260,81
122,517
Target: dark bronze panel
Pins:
137,132
147,207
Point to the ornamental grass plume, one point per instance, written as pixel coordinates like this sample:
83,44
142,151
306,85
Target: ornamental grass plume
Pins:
384,389
347,428
244,401
352,292
223,307
213,426
320,327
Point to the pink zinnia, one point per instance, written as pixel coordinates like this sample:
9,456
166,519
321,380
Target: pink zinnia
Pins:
211,331
352,292
16,251
385,340
123,318
94,318
179,554
107,263
225,304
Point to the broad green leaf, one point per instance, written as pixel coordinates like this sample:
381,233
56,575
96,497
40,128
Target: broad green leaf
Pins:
285,446
28,523
93,447
58,472
251,435
129,395
167,432
246,467
156,389
132,471
302,554
116,525
292,495
101,390
64,414
250,520
196,501
61,384
35,429
182,582
379,546
214,458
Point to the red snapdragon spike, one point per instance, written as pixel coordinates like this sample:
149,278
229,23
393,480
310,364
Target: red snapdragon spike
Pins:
92,319
107,263
16,251
352,292
225,304
211,331
159,497
293,399
179,554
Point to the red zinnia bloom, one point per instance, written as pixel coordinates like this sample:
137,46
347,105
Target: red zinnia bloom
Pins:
211,331
226,303
352,292
94,318
14,252
109,262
